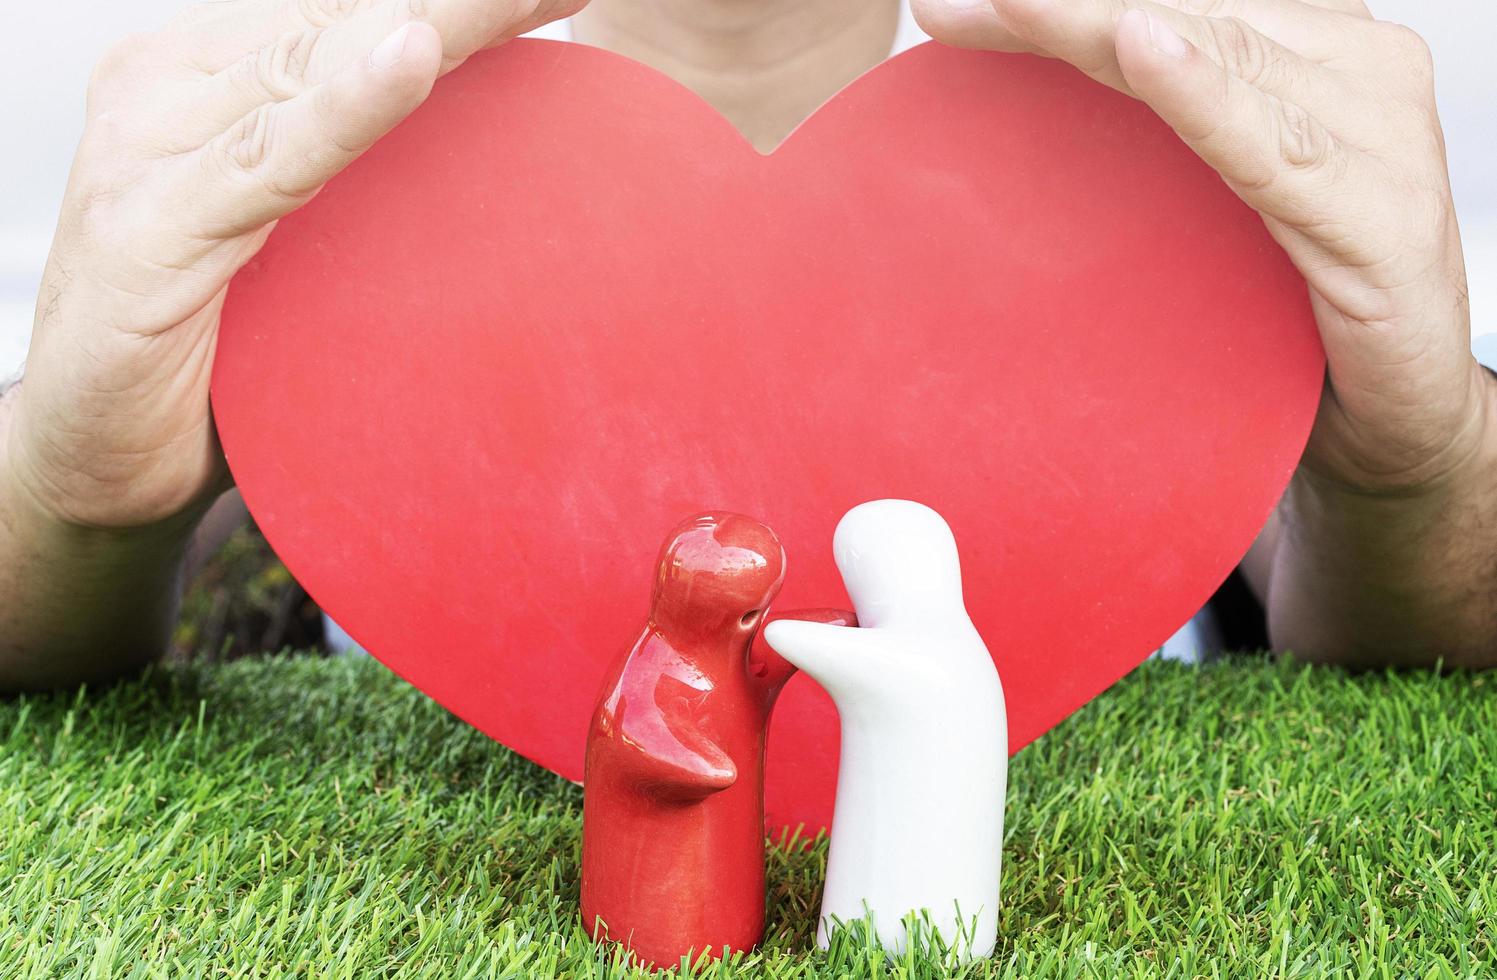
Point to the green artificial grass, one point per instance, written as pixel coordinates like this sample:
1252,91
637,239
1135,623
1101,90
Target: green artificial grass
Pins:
318,818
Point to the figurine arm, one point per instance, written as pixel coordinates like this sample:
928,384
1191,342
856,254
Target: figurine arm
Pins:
667,756
840,658
685,779
770,670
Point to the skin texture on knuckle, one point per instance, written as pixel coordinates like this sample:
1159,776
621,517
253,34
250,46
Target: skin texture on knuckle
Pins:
255,159
1245,53
279,71
1305,144
250,154
325,13
248,145
1215,9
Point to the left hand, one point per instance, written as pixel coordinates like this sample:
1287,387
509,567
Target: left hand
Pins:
1324,121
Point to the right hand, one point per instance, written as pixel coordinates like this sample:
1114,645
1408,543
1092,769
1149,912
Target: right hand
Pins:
198,138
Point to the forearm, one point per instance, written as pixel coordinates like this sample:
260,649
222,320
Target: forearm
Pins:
1371,579
79,604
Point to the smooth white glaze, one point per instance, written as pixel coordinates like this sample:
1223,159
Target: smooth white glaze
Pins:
919,815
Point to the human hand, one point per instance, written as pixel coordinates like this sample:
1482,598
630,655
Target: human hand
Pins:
198,138
1324,121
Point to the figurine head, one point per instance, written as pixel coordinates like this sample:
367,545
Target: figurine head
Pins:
898,560
717,575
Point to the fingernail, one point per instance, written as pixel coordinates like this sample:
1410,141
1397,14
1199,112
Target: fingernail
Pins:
1164,38
390,49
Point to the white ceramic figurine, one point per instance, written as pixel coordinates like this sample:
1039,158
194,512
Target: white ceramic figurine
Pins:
918,825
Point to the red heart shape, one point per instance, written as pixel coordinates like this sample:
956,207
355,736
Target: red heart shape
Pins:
468,388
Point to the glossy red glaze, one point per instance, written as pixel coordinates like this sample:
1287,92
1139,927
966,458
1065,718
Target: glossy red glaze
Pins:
673,812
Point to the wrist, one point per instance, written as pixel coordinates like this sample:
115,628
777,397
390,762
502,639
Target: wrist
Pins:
95,556
31,513
1405,461
1374,576
1406,530
104,482
80,602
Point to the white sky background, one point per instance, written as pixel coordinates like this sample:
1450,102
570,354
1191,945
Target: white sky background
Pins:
48,47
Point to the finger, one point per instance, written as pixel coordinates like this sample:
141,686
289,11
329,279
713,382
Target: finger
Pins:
769,666
302,58
247,26
1356,8
1278,157
465,26
216,33
1313,28
1084,33
1248,8
278,156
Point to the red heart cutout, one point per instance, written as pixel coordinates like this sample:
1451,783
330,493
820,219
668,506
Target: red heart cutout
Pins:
468,389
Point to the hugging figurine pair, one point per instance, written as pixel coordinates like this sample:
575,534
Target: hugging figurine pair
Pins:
673,813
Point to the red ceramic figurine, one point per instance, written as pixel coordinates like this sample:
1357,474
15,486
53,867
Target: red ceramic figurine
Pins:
673,811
